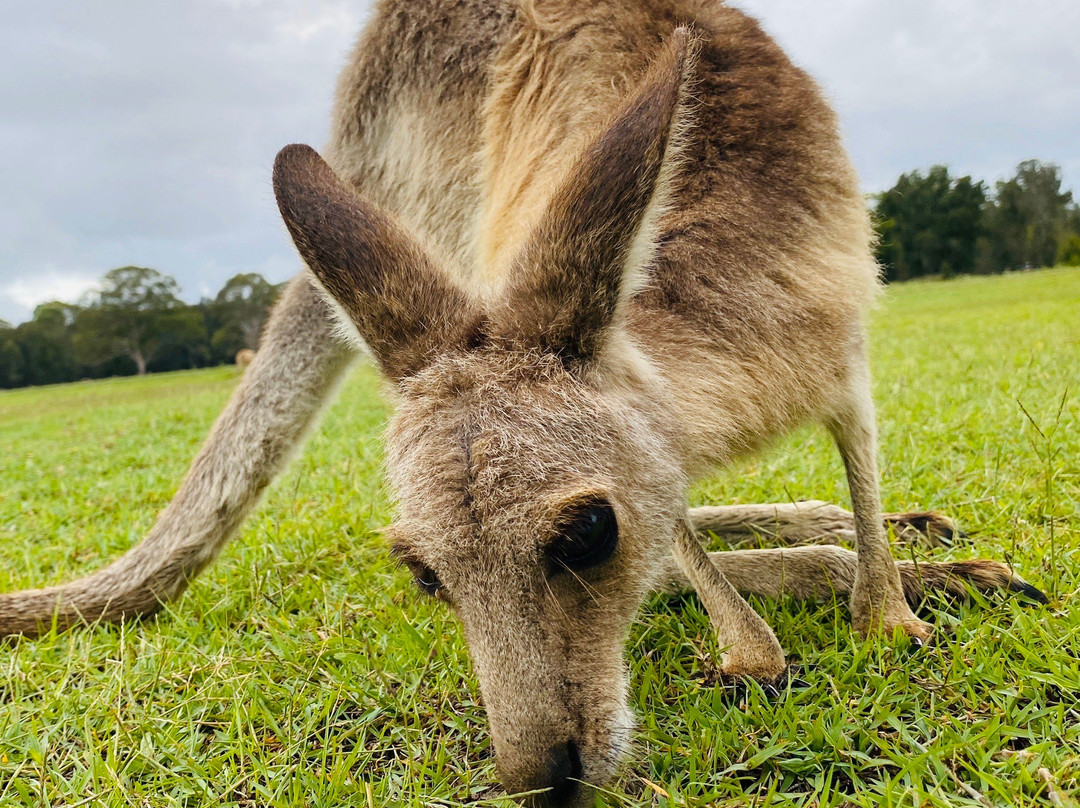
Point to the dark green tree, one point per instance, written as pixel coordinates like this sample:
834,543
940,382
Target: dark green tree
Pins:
46,347
11,359
1069,245
136,313
182,340
929,224
239,312
1028,219
1069,251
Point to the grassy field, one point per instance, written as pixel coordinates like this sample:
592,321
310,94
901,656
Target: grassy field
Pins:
304,668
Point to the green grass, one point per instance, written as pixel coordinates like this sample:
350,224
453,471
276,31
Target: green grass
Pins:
303,668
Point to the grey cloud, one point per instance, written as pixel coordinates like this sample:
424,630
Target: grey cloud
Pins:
142,131
977,84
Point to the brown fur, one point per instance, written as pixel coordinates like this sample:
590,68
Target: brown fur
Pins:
598,255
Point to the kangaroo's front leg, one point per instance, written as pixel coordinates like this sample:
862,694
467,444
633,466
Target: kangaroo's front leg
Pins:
750,647
877,597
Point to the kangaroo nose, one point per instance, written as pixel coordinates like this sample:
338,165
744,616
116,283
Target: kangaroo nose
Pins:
563,774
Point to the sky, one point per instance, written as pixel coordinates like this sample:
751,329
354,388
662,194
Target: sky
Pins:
143,131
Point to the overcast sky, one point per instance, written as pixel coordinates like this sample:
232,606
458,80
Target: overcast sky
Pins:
143,131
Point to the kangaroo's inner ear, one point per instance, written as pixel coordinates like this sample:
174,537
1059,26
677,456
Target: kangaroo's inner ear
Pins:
591,250
403,306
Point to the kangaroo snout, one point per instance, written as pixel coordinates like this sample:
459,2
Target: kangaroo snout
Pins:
556,733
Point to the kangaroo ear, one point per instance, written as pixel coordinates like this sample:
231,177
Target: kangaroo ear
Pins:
591,250
404,308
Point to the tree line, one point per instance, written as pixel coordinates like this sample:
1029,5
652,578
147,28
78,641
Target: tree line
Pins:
928,224
935,224
134,322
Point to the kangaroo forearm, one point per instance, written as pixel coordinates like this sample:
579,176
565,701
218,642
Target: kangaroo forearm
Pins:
751,647
266,418
277,401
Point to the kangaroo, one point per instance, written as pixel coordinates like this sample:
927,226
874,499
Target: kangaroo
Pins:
244,357
598,251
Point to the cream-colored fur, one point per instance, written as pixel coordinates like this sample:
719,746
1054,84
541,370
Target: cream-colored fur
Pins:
598,255
244,357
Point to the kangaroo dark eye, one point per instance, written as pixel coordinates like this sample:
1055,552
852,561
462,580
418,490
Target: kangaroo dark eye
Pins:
425,576
586,539
427,580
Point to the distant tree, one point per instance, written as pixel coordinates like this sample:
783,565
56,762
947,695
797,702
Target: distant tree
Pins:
182,340
246,300
1069,244
45,345
11,358
11,363
1028,219
136,313
238,314
1072,218
1069,251
929,224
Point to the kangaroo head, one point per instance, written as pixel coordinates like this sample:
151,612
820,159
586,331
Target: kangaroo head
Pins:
531,455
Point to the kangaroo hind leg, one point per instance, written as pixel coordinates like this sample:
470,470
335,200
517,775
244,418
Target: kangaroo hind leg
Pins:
821,572
815,522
